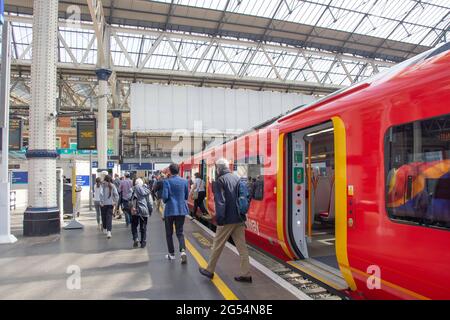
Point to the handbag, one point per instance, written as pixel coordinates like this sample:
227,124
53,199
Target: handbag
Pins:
195,195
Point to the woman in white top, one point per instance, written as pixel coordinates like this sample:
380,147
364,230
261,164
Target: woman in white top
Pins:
199,188
97,194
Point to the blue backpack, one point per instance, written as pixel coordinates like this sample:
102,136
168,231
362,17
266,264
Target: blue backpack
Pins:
243,197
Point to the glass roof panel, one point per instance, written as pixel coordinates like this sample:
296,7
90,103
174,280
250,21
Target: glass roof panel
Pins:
409,21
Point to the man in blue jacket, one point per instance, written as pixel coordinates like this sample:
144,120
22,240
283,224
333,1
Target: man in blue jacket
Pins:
175,194
229,222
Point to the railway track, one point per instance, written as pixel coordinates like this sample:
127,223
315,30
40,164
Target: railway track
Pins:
311,287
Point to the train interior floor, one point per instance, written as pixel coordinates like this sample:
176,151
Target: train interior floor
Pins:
47,267
322,263
323,245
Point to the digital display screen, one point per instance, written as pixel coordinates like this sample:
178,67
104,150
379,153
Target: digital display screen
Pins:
15,135
87,135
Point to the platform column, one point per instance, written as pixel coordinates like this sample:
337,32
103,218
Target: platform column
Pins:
42,214
102,118
116,117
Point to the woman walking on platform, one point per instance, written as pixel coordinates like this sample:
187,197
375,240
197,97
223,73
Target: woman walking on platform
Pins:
97,194
141,209
199,194
108,199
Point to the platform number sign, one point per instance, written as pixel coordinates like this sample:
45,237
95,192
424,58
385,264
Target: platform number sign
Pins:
87,135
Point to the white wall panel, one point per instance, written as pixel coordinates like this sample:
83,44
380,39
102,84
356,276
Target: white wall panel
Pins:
164,108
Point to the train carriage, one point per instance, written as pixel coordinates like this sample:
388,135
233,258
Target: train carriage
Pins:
355,188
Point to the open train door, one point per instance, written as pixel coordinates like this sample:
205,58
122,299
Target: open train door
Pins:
297,193
311,203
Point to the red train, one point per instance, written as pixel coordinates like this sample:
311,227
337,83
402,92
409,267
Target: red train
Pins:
355,188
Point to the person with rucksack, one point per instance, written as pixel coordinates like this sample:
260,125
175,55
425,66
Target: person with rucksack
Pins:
141,208
232,202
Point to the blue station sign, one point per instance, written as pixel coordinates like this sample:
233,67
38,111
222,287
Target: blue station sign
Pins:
110,164
2,11
82,181
19,177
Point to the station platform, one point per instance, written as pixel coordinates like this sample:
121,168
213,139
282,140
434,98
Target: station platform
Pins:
45,267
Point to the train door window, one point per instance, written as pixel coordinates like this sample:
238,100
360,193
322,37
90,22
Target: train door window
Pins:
252,169
417,160
187,174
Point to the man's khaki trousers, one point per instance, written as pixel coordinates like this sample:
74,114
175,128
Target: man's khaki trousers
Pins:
223,233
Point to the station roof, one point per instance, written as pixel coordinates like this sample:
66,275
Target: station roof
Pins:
385,31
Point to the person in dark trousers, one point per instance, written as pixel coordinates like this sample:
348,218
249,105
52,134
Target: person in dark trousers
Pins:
125,190
175,194
117,185
140,214
229,222
97,196
199,189
157,190
108,199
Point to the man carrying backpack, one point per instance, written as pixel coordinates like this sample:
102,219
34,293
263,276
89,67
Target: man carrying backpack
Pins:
231,201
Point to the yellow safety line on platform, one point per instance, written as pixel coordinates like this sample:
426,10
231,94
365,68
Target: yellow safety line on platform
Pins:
224,290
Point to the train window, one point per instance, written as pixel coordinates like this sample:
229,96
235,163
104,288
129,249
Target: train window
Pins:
253,170
418,172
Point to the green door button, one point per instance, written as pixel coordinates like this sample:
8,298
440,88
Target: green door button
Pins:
299,175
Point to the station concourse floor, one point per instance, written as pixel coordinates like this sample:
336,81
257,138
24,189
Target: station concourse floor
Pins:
42,267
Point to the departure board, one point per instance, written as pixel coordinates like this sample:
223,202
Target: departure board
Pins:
15,135
87,135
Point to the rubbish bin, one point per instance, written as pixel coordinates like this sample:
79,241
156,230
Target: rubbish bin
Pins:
67,198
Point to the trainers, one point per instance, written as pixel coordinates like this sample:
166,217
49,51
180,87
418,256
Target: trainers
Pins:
183,257
170,256
143,244
135,244
108,235
104,231
243,279
206,273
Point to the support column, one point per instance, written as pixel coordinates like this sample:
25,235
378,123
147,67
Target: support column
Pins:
102,119
42,215
116,117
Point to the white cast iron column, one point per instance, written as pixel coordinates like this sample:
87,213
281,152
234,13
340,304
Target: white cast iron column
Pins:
42,215
102,119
